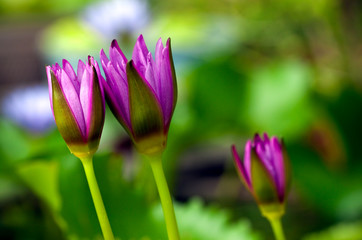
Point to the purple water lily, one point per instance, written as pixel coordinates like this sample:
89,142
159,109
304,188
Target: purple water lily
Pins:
78,104
265,169
142,92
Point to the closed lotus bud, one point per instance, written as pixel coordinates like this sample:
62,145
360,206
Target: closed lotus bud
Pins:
265,172
78,105
142,92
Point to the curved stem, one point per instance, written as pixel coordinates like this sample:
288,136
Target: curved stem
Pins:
166,201
97,198
277,228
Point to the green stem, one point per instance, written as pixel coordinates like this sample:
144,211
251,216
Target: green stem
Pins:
277,227
97,198
166,201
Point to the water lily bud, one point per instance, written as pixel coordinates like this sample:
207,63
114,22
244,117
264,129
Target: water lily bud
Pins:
265,172
142,92
78,105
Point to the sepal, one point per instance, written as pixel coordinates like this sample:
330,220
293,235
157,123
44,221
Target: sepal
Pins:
263,185
146,114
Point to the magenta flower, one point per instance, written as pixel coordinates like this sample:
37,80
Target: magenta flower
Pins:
265,169
78,105
142,92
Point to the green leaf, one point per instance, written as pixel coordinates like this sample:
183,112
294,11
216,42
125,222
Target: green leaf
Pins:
197,222
14,145
277,99
342,231
42,178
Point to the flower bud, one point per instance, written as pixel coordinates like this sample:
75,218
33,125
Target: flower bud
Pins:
78,105
265,172
142,93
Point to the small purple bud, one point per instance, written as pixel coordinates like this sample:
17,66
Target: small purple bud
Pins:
78,105
265,172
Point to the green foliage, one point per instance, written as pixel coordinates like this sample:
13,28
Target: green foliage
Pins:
278,99
216,91
62,188
68,38
197,222
42,178
342,231
242,66
13,143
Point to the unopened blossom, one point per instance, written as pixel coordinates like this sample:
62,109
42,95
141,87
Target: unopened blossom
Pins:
78,104
142,92
265,172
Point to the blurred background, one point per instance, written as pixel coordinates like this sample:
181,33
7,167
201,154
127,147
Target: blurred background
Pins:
289,68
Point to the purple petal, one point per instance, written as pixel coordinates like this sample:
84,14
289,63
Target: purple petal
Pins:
85,96
80,71
265,157
104,58
71,74
116,105
240,167
247,161
99,76
257,140
56,67
139,55
119,87
158,59
166,86
57,70
116,86
116,54
72,98
48,68
279,166
104,62
150,75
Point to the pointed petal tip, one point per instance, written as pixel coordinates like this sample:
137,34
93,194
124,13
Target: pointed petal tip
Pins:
65,62
80,62
141,42
233,150
275,140
114,43
236,156
101,52
248,146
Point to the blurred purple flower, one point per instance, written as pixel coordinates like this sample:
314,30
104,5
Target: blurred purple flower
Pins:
265,169
114,17
77,101
29,108
142,93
